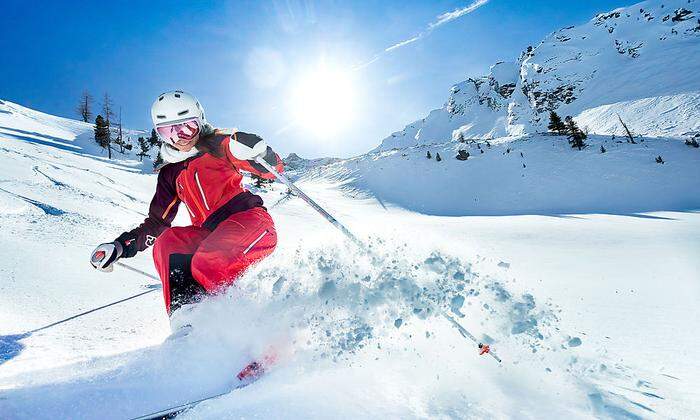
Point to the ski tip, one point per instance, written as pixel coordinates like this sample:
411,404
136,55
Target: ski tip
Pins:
486,349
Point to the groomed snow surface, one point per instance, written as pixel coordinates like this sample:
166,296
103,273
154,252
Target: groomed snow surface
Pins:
580,269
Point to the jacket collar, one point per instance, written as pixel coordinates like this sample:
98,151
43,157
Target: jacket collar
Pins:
172,155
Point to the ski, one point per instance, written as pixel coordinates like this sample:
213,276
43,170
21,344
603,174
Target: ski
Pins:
172,412
248,375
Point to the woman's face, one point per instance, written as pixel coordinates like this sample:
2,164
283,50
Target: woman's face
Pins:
183,135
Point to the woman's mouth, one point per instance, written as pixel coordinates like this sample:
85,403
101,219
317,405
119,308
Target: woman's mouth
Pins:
184,142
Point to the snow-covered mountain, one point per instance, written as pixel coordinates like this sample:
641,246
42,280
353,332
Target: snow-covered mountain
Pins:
295,163
638,58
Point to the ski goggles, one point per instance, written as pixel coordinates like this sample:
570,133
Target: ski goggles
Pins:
182,132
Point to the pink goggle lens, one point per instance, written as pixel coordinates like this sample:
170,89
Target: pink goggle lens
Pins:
185,131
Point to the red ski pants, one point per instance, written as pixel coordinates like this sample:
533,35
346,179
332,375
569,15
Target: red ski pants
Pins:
214,259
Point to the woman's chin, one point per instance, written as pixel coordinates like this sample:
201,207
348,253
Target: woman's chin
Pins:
185,147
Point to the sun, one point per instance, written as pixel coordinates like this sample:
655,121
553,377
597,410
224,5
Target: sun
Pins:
323,100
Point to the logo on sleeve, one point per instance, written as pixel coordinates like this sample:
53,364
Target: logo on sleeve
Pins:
150,240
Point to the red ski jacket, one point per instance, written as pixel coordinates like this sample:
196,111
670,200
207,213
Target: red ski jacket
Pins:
209,186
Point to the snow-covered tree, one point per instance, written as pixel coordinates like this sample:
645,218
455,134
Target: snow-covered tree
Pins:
462,155
428,155
437,157
693,142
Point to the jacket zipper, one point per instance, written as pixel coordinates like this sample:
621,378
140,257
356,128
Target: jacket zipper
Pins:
201,191
185,201
188,209
252,244
191,194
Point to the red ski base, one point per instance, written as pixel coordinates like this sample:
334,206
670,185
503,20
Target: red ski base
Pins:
256,368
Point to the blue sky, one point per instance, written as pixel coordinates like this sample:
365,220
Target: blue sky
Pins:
250,62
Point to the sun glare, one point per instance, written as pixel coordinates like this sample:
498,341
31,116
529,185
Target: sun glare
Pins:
322,101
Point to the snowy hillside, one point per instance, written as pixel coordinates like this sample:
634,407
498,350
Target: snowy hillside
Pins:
643,56
538,174
593,314
22,123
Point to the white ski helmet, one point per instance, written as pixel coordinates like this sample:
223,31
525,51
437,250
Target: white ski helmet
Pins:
174,107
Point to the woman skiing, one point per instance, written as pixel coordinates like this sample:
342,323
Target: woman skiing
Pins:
230,227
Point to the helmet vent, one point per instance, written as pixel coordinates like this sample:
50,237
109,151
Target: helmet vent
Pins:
160,117
177,95
181,113
160,99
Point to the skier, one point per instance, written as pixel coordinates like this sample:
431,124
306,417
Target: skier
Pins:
230,227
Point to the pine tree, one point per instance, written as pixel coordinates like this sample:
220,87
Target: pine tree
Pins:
154,140
260,181
437,157
462,155
158,160
576,136
602,149
555,123
428,155
692,142
84,105
102,133
460,138
659,159
144,148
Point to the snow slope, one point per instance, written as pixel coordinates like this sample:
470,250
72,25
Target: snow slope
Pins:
22,123
593,314
644,55
538,174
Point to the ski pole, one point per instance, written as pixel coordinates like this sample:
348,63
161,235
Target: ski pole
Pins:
90,311
136,270
483,349
283,179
